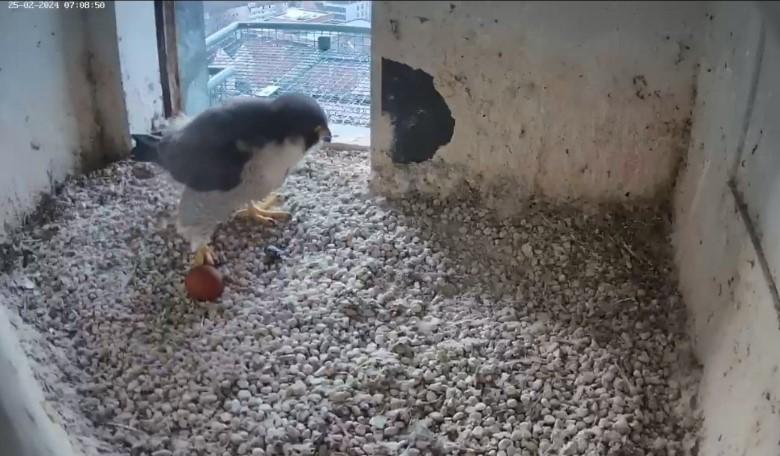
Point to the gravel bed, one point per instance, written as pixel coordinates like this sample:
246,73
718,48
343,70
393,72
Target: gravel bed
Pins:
384,327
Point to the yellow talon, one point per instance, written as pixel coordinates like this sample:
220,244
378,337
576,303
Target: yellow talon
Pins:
268,201
204,255
261,213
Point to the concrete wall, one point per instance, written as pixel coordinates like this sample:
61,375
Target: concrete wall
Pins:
104,75
71,91
47,114
724,232
561,100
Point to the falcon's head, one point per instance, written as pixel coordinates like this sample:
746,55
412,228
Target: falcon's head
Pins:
304,117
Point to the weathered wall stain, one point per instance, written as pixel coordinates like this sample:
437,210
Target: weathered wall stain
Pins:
421,119
394,29
640,85
110,140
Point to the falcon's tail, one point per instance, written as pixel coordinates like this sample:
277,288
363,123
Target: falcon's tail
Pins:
145,149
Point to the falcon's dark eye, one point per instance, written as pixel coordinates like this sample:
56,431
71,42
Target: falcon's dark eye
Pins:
323,133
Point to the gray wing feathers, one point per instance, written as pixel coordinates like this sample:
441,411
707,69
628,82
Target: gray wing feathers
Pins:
205,155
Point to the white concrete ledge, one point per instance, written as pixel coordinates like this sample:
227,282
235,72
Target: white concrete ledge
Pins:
350,136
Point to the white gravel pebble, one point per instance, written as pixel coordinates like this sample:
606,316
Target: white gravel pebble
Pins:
386,327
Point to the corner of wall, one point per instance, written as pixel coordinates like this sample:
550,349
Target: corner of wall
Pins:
732,317
111,141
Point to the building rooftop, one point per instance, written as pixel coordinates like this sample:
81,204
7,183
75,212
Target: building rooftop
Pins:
301,15
268,63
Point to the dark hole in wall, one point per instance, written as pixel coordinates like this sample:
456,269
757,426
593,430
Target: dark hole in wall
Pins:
421,119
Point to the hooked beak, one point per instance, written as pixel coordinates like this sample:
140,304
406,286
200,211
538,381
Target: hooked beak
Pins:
324,133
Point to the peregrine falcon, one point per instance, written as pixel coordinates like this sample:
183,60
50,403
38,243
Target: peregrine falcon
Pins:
232,156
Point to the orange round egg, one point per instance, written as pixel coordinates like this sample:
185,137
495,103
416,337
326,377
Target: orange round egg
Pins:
204,283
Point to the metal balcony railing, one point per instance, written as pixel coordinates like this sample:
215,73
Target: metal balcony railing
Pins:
330,62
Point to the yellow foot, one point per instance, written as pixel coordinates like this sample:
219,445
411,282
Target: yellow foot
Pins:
261,213
204,255
268,201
